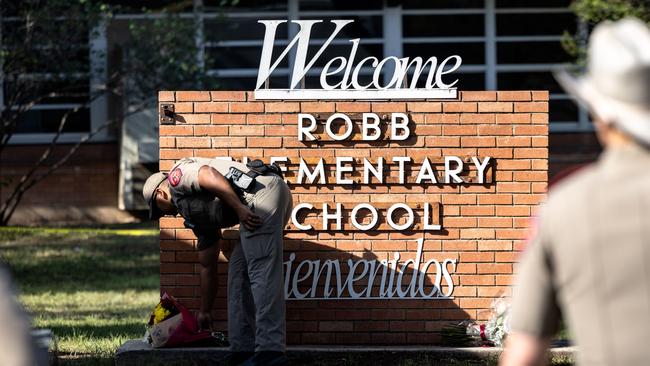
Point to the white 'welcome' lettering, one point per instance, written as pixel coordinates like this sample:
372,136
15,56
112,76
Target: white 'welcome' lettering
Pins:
347,70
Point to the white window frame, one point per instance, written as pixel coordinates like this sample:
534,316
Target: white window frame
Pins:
98,46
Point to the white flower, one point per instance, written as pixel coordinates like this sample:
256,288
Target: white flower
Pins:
498,327
501,308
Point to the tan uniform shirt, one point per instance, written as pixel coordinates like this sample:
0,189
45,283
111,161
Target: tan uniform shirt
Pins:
204,213
184,176
591,259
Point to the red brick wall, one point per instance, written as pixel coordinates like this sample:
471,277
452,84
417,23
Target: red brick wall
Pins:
483,225
84,190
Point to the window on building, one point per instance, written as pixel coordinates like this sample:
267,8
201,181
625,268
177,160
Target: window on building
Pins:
55,88
528,49
504,44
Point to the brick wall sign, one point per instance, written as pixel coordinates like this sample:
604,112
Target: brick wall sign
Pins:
408,214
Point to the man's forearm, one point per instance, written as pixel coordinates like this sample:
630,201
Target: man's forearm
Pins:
208,261
209,282
212,181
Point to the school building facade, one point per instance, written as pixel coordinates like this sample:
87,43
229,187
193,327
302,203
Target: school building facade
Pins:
505,45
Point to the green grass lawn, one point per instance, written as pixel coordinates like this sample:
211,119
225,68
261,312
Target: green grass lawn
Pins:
93,287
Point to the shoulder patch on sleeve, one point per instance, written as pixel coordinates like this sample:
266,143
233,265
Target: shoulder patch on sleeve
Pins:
174,177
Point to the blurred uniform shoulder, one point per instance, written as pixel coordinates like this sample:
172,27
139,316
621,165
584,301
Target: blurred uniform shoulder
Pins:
567,192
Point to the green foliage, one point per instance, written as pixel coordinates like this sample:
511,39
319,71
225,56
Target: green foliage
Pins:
595,11
161,54
592,12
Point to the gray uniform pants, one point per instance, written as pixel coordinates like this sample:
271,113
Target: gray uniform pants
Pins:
256,305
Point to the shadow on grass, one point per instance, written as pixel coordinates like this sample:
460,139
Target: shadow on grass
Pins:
81,260
100,331
64,360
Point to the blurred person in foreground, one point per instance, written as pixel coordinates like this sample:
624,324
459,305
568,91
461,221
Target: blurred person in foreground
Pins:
590,257
16,346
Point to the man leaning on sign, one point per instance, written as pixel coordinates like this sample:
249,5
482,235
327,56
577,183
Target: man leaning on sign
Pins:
211,194
590,258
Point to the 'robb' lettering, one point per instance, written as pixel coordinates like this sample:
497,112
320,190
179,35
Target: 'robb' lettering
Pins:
399,128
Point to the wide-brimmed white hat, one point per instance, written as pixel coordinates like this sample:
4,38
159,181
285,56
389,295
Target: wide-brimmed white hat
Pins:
616,85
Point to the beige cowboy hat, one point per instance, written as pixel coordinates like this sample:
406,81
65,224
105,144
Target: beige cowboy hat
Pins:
616,84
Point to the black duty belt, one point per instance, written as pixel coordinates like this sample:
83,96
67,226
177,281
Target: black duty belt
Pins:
245,182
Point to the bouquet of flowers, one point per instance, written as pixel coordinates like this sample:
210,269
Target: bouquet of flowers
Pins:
470,333
163,311
464,334
498,327
171,324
